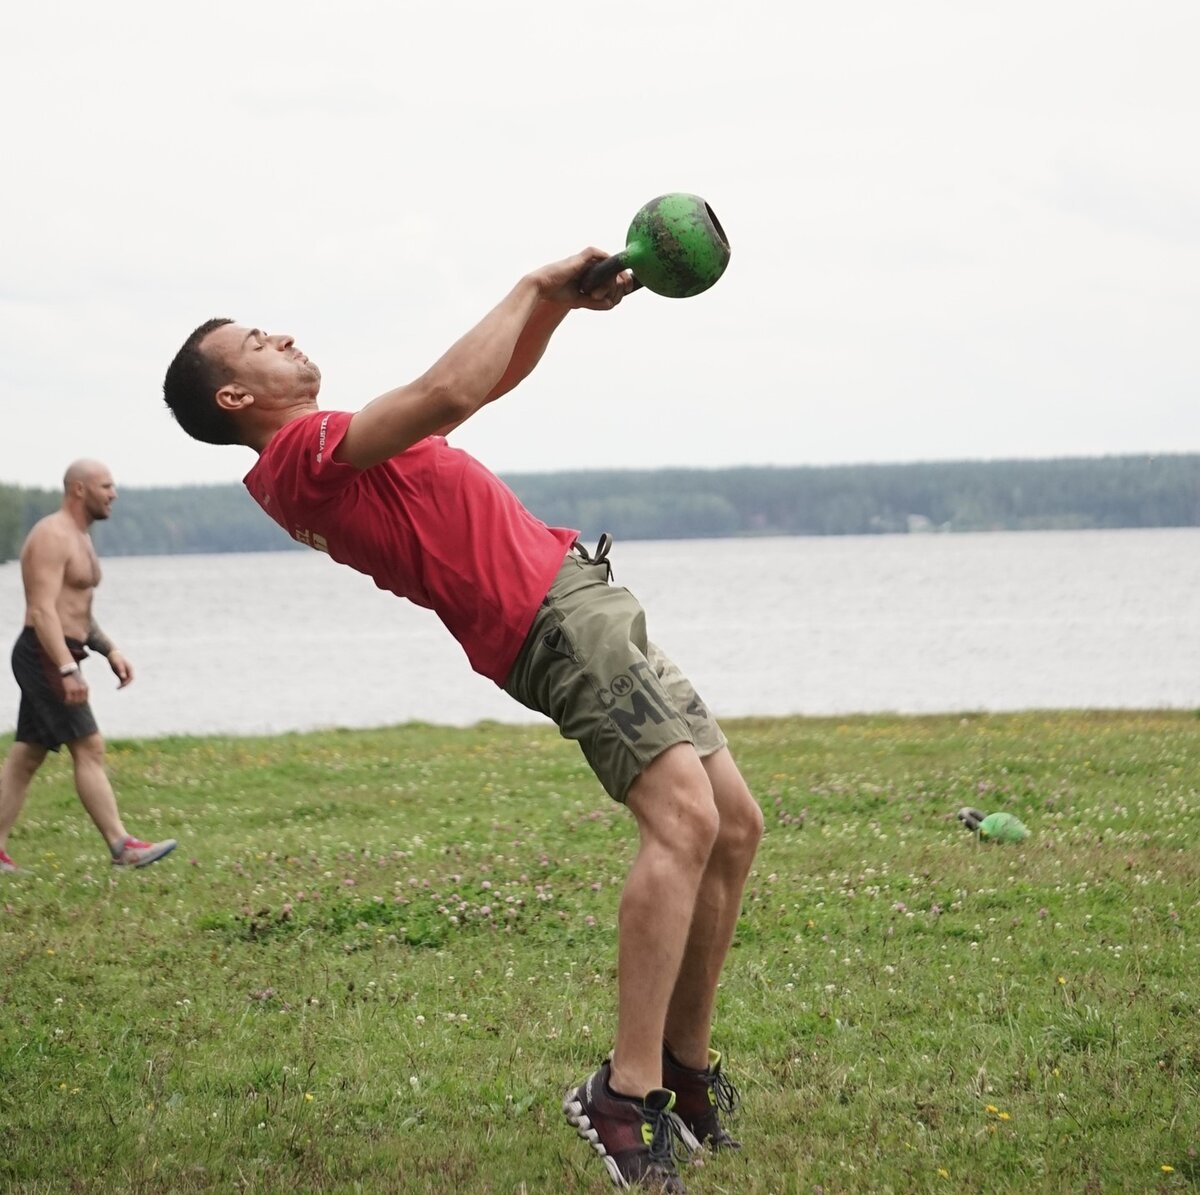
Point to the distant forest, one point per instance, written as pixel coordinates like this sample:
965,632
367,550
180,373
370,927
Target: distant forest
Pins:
1019,495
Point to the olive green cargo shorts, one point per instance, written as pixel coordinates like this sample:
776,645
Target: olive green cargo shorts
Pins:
589,667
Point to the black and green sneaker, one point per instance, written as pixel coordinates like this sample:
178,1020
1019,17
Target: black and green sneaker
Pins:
640,1142
702,1098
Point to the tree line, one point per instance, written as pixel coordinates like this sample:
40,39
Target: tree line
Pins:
1014,495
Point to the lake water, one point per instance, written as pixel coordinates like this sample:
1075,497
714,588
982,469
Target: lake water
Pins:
282,641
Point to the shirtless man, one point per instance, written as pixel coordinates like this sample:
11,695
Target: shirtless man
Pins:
60,572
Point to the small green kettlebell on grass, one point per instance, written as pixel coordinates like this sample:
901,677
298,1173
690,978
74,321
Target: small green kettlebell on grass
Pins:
993,827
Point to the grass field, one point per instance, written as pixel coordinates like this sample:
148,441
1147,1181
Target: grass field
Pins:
378,958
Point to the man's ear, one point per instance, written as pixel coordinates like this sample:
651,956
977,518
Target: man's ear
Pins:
234,398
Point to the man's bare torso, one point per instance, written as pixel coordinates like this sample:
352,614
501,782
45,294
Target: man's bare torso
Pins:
80,575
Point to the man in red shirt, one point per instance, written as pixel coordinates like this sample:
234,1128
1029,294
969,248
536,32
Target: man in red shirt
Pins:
381,490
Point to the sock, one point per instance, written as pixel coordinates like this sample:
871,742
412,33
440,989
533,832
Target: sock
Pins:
620,1095
679,1065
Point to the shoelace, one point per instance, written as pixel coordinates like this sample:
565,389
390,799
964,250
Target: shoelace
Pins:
667,1142
725,1095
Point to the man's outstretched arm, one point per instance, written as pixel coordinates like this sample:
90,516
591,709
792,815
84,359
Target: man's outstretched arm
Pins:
493,357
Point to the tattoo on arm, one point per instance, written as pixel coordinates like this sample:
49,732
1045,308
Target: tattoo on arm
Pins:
97,640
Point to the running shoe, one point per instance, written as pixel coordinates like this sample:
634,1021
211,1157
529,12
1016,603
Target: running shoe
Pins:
640,1142
7,866
702,1098
135,853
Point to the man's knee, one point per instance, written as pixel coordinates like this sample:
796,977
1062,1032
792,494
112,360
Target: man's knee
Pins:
673,803
88,749
703,825
741,828
742,823
26,758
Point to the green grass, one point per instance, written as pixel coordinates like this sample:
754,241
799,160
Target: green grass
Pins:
378,957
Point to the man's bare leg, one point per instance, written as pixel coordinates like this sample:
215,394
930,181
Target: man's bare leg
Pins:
672,801
718,904
20,766
94,789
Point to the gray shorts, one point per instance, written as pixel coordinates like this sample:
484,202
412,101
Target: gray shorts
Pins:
588,665
44,719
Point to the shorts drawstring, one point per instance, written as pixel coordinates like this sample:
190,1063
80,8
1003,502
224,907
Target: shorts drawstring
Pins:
600,555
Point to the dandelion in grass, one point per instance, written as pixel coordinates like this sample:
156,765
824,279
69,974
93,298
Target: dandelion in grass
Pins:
1167,1169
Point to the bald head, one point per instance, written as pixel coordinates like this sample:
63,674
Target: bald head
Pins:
88,491
83,470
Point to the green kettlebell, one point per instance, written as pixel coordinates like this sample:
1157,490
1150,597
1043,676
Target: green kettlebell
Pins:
993,827
675,247
1003,827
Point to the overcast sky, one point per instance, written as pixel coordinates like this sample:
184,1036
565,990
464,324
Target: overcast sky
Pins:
957,230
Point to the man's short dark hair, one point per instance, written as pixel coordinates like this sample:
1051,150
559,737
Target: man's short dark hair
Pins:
190,390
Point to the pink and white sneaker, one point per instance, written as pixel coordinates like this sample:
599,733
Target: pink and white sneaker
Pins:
135,853
7,866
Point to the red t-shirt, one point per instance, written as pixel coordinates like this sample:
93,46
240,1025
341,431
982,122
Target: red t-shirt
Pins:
431,524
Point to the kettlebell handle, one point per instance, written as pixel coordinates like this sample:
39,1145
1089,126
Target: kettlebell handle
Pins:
600,273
